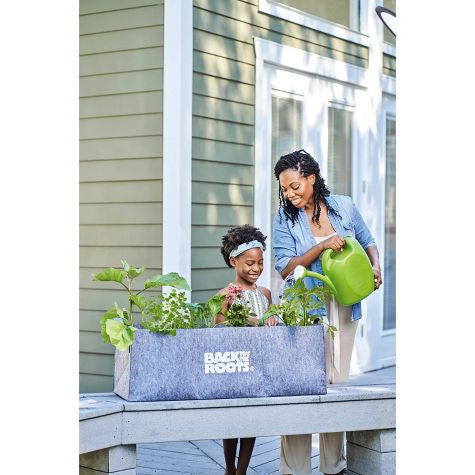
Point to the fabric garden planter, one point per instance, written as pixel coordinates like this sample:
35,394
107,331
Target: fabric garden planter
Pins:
222,363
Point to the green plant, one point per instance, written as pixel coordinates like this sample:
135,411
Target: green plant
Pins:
203,313
117,324
237,315
298,305
168,314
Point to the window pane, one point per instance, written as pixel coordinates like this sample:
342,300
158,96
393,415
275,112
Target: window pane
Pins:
336,11
389,276
286,137
340,132
388,37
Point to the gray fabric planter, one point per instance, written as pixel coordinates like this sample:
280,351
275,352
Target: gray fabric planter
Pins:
221,363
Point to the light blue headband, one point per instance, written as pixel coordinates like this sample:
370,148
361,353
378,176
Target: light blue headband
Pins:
244,247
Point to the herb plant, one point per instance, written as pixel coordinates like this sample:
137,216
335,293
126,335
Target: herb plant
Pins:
167,314
237,315
298,305
238,310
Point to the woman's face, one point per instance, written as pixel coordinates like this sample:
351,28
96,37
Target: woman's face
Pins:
249,265
298,189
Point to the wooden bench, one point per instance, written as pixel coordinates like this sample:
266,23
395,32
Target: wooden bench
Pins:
111,427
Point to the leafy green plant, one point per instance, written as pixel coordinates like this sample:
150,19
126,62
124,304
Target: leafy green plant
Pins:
117,324
168,314
298,305
203,313
237,315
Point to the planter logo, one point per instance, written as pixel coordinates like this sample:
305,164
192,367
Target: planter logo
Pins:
228,362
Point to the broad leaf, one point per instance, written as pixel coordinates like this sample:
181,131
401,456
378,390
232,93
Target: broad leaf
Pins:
121,336
110,314
215,304
133,272
119,310
110,275
172,279
139,301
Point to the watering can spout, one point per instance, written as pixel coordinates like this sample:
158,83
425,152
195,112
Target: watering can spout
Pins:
301,272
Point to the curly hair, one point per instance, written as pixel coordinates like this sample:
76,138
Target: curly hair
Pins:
239,235
306,165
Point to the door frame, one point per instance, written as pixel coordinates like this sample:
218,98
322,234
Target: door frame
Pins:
272,57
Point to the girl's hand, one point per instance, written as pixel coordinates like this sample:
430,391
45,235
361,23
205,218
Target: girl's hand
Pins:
335,243
252,321
271,322
377,277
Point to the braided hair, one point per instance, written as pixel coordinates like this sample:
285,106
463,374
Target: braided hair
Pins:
306,165
239,235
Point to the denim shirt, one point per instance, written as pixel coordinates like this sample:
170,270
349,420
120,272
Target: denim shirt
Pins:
290,241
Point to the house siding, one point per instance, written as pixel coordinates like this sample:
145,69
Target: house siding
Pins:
121,97
223,120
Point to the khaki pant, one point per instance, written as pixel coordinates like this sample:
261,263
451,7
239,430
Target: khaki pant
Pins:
296,450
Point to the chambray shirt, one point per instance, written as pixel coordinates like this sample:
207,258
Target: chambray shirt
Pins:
290,241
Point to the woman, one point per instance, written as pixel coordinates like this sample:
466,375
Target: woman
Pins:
309,221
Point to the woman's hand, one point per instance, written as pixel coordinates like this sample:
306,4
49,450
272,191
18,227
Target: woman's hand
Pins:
252,321
335,243
377,277
271,322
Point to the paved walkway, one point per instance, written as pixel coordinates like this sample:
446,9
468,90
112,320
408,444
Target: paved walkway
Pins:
206,456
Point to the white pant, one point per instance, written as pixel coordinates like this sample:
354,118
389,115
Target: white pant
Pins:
296,450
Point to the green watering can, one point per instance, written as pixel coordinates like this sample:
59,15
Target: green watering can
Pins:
348,273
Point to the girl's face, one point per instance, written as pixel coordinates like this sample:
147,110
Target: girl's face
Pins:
249,265
298,189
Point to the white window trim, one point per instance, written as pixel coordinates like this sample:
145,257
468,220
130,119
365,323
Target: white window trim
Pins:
303,61
388,85
177,130
389,49
305,19
387,112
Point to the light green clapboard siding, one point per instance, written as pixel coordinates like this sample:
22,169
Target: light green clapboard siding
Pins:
223,120
239,21
207,258
145,37
122,191
116,61
204,149
121,123
121,147
121,83
107,256
121,170
121,104
223,194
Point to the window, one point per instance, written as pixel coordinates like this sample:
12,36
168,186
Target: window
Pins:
345,19
388,37
340,131
389,275
286,137
342,12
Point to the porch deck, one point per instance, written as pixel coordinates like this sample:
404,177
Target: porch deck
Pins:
206,456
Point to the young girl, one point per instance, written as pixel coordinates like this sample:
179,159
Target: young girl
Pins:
242,248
